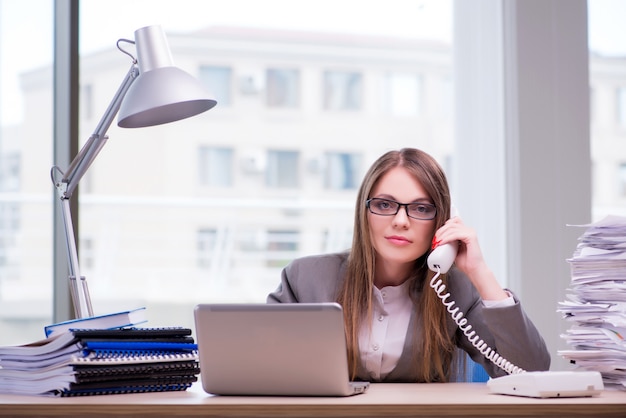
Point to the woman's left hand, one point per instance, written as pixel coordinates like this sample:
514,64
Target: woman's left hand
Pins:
470,258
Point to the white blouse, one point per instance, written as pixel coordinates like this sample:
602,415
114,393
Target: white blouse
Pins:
382,347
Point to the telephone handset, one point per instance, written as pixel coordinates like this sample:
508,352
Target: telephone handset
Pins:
442,257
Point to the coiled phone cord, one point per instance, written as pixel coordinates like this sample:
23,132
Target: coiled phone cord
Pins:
459,318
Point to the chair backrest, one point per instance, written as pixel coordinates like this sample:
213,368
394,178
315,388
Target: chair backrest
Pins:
469,370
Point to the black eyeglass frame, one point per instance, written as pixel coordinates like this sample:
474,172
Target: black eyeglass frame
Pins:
406,208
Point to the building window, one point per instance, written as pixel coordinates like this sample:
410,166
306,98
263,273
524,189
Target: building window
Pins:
215,166
283,169
218,81
10,172
9,233
342,170
621,106
402,94
343,90
283,88
206,243
9,221
336,238
282,246
87,253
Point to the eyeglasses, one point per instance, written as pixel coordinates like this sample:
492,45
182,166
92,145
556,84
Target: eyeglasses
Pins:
386,207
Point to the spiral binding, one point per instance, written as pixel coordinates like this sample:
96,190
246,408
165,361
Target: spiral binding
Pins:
124,390
459,318
118,357
87,371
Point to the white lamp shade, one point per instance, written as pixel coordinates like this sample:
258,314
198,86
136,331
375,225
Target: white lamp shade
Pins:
163,95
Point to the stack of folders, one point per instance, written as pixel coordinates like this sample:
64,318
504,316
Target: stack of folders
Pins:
100,362
596,301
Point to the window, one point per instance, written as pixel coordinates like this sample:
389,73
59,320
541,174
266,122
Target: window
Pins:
281,246
283,88
26,193
9,222
607,106
10,172
215,166
403,94
87,254
164,203
206,239
145,198
218,81
283,169
336,238
342,170
343,90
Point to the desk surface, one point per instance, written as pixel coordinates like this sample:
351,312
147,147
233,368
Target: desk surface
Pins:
381,400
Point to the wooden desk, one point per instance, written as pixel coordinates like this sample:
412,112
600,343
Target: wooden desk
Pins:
382,400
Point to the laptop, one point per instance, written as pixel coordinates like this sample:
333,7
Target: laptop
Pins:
293,349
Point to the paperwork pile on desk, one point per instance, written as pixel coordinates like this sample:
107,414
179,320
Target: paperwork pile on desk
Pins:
101,362
596,301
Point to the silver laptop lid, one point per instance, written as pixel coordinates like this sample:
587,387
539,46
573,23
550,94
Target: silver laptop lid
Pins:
272,349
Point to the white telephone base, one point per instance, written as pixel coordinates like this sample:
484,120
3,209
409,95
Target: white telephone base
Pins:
566,384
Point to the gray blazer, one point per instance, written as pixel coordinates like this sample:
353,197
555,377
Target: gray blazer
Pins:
507,330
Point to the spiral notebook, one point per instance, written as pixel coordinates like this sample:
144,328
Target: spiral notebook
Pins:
275,349
99,362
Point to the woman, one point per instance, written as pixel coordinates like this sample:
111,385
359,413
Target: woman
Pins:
397,328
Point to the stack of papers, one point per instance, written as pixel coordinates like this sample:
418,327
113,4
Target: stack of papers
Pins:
596,301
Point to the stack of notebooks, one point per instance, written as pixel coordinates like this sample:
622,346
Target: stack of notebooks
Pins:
100,361
596,301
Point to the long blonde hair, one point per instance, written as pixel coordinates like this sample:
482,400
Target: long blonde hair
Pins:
435,351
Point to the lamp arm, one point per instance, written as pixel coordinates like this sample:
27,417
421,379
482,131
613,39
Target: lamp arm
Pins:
83,160
68,183
78,283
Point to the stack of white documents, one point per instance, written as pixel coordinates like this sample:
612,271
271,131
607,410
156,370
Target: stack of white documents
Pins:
596,301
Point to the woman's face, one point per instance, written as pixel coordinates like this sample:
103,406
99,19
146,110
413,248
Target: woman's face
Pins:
399,238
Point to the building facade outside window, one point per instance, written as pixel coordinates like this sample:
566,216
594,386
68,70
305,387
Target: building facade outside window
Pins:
403,94
283,88
215,166
283,169
218,80
342,170
207,239
343,90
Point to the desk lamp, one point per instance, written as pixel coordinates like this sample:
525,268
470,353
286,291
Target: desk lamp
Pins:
153,92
